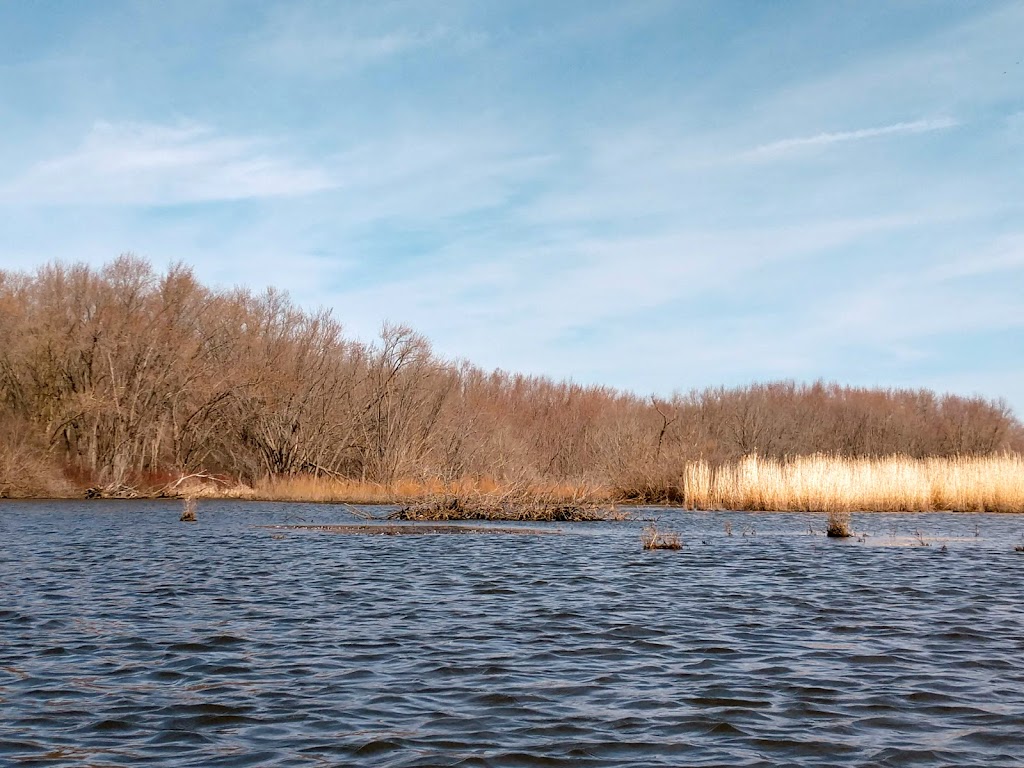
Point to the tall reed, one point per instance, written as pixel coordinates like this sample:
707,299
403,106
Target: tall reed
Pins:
823,483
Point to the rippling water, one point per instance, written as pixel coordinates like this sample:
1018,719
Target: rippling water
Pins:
129,638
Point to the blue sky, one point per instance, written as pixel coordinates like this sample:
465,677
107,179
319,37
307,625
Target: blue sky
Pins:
651,195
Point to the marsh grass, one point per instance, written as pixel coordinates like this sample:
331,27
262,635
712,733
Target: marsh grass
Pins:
343,491
652,538
831,484
467,492
816,483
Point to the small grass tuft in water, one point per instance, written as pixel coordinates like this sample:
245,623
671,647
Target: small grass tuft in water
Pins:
652,538
838,525
188,512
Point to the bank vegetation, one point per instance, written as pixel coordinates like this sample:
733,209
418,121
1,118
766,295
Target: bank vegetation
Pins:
125,380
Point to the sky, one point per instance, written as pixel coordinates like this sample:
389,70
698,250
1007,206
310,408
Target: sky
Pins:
651,195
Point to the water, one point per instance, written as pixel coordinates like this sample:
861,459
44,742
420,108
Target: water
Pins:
128,638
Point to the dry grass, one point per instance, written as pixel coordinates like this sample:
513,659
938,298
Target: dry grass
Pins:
652,538
813,483
340,491
465,499
830,484
517,502
188,512
838,525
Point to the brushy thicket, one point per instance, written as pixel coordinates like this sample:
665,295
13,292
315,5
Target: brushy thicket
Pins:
26,469
126,379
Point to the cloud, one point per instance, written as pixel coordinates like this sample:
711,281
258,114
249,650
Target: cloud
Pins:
318,49
431,175
840,137
526,298
145,164
294,39
1004,254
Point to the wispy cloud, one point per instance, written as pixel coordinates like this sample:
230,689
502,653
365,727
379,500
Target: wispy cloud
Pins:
1003,255
825,139
296,40
587,284
147,164
328,53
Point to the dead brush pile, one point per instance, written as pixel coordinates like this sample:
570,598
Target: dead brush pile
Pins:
521,503
652,538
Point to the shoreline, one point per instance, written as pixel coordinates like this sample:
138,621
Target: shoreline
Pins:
820,484
398,504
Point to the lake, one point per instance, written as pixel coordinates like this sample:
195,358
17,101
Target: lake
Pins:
130,638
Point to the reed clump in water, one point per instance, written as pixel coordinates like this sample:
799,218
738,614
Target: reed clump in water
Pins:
838,525
188,512
652,538
822,483
515,503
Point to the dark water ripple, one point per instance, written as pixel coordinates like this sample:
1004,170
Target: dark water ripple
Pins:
128,638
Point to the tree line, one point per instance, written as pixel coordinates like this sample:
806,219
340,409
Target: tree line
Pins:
121,375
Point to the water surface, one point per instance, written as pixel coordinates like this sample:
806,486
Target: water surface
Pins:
128,638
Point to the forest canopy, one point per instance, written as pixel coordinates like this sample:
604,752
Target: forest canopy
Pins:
118,375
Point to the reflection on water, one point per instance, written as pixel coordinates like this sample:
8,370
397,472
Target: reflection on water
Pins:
127,637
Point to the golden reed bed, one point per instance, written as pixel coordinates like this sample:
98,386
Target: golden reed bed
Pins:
890,484
322,489
811,483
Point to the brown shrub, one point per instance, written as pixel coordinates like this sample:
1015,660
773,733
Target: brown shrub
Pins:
652,538
25,469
